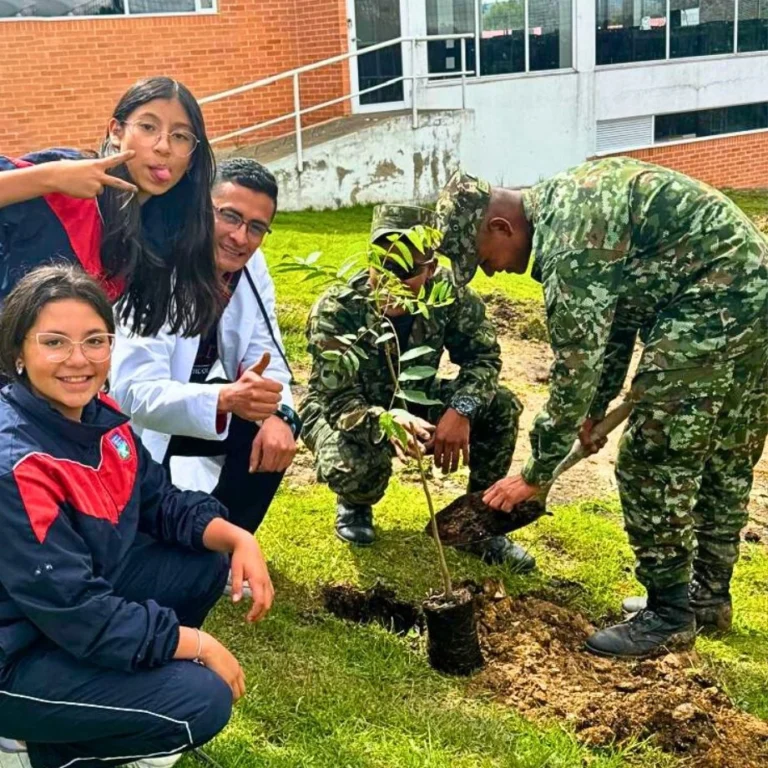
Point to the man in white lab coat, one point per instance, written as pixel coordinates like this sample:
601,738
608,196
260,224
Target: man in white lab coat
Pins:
217,410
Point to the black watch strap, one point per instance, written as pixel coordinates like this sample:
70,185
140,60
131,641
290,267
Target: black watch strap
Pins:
291,418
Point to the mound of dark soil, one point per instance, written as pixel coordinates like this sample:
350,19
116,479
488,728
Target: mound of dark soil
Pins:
522,319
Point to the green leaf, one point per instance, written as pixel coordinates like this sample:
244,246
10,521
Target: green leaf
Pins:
330,354
385,337
313,257
393,430
414,396
417,372
412,354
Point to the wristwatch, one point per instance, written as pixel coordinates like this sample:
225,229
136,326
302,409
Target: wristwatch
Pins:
291,418
465,405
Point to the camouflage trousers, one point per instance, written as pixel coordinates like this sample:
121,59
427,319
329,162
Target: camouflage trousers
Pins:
359,469
685,468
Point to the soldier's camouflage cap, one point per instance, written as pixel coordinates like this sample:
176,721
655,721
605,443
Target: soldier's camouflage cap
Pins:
391,219
460,209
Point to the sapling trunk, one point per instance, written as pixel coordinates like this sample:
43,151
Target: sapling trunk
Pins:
447,586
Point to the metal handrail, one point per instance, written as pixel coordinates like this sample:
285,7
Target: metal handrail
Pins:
297,111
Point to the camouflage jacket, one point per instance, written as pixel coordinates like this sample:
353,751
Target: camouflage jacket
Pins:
622,247
353,401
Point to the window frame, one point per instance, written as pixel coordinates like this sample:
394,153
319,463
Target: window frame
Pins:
683,59
199,11
446,80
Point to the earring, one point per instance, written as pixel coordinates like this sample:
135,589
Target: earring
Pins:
19,368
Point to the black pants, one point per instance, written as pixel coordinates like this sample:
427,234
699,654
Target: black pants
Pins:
247,496
72,713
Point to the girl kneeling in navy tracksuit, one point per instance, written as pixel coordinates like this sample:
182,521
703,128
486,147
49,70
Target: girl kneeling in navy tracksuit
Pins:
107,570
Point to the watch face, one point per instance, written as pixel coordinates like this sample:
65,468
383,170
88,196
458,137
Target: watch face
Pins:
465,405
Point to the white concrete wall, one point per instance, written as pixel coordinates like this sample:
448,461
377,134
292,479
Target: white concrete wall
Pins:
389,161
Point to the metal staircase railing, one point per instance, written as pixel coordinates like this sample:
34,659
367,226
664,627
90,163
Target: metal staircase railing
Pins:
297,112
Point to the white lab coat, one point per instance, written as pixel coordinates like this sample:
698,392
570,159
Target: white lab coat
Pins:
150,376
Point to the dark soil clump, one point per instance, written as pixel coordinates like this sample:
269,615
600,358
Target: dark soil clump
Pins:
468,520
376,605
536,663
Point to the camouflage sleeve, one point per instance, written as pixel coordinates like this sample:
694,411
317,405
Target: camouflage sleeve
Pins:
340,391
470,339
618,356
580,289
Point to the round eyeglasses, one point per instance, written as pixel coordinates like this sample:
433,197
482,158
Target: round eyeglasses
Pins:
182,143
57,347
232,221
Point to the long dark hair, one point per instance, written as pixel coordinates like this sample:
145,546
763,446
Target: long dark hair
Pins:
37,288
169,268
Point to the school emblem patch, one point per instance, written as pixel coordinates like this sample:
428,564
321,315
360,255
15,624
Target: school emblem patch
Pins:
122,447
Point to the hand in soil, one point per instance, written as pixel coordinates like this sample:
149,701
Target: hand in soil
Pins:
509,492
451,441
585,437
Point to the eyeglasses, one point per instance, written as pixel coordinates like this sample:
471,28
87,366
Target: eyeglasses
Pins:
57,347
232,220
182,143
402,274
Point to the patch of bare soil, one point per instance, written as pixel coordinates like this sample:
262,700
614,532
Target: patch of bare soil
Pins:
535,662
522,319
376,605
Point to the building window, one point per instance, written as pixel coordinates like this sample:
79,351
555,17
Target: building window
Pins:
631,31
710,122
22,9
700,27
753,25
502,35
639,30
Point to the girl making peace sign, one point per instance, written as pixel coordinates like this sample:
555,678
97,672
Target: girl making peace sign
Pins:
139,218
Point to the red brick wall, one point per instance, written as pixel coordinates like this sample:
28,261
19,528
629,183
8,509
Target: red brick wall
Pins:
735,162
61,79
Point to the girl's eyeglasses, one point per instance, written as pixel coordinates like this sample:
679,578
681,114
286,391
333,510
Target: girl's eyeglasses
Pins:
57,347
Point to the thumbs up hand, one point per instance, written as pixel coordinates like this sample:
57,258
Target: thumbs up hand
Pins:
252,397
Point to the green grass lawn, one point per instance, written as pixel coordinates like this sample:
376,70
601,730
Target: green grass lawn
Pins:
325,693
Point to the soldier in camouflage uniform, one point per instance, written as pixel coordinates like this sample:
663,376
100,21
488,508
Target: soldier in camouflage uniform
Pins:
340,413
626,249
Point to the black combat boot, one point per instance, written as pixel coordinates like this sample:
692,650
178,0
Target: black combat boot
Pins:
666,625
354,522
711,604
499,550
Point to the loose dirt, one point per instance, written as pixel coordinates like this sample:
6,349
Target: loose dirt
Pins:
535,662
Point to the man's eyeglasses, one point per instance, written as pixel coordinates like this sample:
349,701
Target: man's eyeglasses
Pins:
182,143
57,347
406,274
232,220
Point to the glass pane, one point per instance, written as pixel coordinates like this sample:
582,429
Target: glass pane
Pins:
375,22
54,8
631,30
161,6
502,46
711,122
701,27
550,34
753,25
445,17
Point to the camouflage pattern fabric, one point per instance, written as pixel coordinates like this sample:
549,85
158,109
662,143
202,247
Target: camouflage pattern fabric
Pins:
389,219
628,250
341,410
460,209
685,469
358,468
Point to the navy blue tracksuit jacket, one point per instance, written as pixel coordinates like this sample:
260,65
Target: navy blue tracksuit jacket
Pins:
102,560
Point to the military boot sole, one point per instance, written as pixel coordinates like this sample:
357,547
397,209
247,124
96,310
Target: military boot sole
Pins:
680,641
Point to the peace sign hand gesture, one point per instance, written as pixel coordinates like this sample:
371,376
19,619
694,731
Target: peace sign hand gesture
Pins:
87,178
